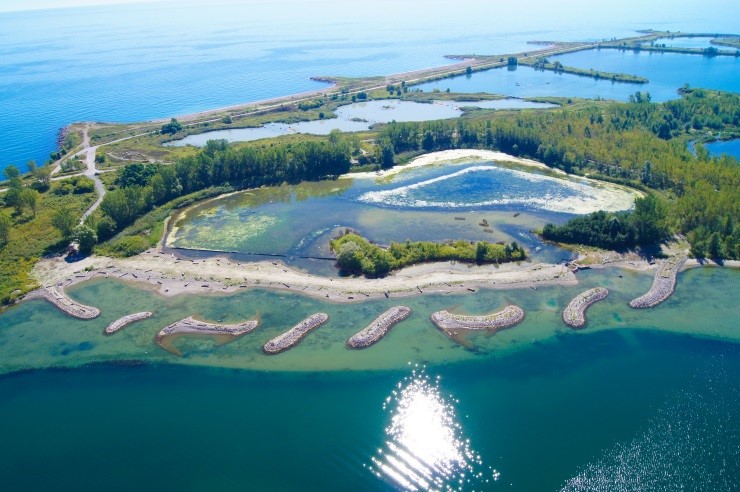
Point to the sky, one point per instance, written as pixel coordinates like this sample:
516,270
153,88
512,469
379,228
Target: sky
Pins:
15,5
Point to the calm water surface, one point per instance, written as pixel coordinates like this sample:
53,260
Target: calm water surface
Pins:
136,62
665,71
730,147
358,117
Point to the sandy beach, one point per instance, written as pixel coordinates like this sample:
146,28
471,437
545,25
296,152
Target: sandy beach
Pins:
171,276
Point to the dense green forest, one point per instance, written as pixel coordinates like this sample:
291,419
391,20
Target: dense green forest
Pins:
357,256
633,144
645,226
141,187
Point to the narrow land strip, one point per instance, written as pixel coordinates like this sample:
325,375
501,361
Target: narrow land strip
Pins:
292,337
379,327
574,315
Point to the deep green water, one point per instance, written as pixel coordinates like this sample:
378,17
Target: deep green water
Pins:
639,396
598,411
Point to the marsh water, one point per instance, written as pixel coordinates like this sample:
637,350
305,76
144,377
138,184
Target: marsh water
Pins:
465,200
359,117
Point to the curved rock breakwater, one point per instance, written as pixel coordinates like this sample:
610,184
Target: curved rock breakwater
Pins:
123,322
64,303
291,337
574,315
378,328
193,327
663,286
506,318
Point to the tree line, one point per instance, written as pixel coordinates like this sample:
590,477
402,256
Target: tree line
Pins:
634,144
358,256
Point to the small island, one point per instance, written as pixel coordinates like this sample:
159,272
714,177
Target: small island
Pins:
378,328
291,337
358,256
500,320
124,321
192,327
574,315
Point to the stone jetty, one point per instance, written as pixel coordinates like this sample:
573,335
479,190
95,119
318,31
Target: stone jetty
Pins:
574,314
123,322
192,326
663,284
291,337
64,303
378,328
506,318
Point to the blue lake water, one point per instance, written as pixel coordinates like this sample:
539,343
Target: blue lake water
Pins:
134,62
666,72
730,147
358,117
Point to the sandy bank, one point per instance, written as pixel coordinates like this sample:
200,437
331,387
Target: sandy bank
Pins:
574,315
291,337
171,276
455,156
124,321
379,327
55,295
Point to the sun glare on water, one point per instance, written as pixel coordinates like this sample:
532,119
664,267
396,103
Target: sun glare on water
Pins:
425,447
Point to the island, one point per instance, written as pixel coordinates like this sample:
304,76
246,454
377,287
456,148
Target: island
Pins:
378,328
124,321
574,315
290,338
193,327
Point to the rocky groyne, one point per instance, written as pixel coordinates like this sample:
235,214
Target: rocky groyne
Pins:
574,315
378,328
506,318
193,327
64,303
123,322
663,286
291,337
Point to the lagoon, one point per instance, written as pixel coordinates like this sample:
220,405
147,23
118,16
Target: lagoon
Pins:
666,72
358,117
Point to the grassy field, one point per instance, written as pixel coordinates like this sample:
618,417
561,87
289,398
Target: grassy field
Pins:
32,237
